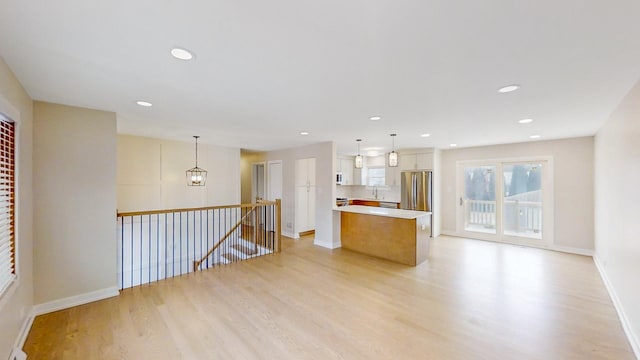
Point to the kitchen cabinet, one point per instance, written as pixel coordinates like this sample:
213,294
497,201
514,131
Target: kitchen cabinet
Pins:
305,202
360,176
345,166
392,175
347,171
422,161
368,231
376,203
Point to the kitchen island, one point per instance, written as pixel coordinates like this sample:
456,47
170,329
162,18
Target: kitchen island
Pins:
398,235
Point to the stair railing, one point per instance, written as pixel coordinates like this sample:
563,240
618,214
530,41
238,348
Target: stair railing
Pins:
197,263
160,244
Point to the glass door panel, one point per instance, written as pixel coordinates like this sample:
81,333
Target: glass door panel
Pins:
479,199
522,204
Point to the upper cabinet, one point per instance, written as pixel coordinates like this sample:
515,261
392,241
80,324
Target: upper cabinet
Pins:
420,161
345,166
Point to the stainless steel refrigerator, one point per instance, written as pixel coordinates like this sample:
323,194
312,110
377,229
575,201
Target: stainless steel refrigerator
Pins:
416,192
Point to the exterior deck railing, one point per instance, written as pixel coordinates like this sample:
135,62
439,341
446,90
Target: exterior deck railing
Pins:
520,217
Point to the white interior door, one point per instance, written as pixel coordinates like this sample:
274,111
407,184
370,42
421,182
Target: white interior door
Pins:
305,173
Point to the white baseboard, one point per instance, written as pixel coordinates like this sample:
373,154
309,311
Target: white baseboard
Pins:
75,300
571,250
289,234
24,330
560,248
326,244
626,324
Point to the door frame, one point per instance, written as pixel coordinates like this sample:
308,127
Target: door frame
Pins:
269,194
548,196
254,171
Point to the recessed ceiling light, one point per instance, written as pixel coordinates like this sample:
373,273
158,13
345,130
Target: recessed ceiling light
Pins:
535,136
373,153
181,54
304,133
508,88
525,121
425,135
375,118
144,103
453,145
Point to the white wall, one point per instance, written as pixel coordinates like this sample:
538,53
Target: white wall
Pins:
16,303
573,187
151,174
437,192
617,195
325,154
75,162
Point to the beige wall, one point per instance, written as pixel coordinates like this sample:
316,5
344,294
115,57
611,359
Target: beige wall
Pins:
75,232
16,303
573,185
325,154
617,195
151,174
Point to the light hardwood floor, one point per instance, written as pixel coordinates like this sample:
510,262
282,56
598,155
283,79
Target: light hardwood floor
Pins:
470,300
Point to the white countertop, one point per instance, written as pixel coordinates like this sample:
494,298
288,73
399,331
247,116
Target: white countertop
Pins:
372,210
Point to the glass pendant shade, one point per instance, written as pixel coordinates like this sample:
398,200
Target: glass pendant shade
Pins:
393,159
358,160
393,155
196,176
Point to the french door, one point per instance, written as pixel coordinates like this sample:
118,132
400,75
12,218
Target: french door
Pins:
506,200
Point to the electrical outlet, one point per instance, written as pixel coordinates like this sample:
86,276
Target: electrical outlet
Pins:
289,225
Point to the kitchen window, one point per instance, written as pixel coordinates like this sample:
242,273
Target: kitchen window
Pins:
376,176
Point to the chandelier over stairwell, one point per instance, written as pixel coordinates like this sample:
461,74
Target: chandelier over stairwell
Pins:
196,176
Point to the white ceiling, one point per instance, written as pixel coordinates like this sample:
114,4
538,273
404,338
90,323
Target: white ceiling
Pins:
266,70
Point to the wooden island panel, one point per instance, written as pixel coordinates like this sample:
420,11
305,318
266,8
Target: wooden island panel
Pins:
396,239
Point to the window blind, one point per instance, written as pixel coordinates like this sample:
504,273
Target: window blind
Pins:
7,203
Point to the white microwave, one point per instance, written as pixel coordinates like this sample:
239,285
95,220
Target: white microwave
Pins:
339,178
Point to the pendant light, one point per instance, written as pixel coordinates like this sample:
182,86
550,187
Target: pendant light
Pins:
393,155
196,176
358,160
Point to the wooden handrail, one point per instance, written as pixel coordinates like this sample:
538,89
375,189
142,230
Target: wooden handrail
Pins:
153,212
197,263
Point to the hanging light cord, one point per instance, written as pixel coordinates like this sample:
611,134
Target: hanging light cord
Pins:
196,150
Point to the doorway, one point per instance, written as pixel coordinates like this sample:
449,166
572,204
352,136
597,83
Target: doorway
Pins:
506,200
258,183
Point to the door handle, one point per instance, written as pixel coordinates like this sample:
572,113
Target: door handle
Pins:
460,201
